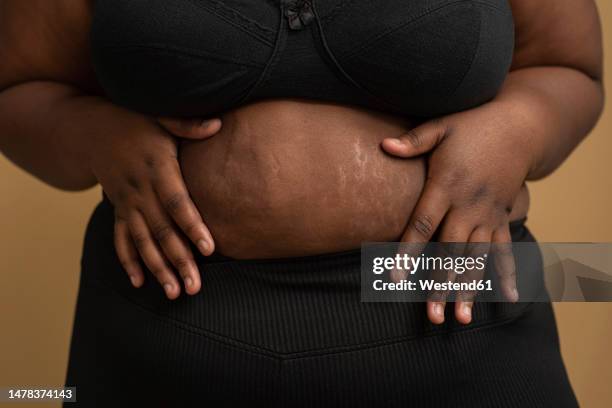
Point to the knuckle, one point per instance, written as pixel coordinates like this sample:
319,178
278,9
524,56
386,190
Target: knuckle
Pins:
134,183
121,200
502,203
454,248
481,191
140,240
162,232
121,196
150,161
174,202
466,296
478,195
437,296
509,271
457,178
503,249
128,263
172,125
192,126
440,128
439,123
158,270
503,206
178,126
423,225
414,138
182,262
193,229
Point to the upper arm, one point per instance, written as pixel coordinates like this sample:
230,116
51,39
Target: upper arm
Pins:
46,40
558,32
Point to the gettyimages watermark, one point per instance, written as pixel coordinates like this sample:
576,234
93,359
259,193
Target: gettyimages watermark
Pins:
509,272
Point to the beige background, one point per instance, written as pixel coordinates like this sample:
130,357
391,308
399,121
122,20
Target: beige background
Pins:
42,231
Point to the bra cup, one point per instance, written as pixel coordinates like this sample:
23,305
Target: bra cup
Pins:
203,57
445,59
169,83
180,59
491,63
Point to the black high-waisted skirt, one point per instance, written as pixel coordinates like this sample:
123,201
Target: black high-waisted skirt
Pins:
294,333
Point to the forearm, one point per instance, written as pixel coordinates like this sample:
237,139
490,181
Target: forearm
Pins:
557,108
44,129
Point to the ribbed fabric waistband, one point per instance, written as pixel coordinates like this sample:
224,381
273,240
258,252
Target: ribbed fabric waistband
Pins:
287,308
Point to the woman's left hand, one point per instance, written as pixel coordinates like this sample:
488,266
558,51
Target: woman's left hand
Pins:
478,162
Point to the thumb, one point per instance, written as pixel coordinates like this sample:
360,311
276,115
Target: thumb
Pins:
416,141
191,128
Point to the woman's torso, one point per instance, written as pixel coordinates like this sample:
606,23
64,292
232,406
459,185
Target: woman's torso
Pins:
292,177
289,175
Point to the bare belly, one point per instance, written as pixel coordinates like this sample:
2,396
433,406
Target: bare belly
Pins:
293,178
290,178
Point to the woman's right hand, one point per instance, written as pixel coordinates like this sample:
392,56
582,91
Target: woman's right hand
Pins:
135,161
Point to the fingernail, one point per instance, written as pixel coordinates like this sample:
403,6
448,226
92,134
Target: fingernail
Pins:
397,142
438,310
167,287
203,246
188,281
467,310
133,280
515,295
207,122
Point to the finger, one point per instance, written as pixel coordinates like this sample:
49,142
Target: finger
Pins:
152,255
435,312
174,247
436,299
427,215
503,261
191,128
176,201
127,254
479,244
417,141
453,235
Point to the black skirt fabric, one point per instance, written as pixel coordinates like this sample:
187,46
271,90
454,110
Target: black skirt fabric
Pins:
294,333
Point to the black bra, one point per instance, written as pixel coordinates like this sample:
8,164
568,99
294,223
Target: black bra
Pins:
419,58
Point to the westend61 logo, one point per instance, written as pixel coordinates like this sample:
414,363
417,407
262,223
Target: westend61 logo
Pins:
439,273
413,264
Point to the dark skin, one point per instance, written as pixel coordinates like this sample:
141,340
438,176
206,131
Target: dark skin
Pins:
549,102
479,159
49,63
